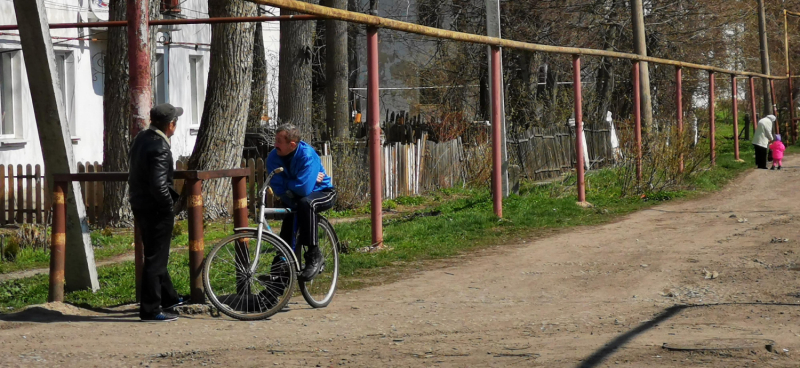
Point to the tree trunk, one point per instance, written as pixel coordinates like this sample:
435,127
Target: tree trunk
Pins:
117,115
336,90
294,95
258,98
221,136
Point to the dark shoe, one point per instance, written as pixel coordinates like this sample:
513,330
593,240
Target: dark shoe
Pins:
161,317
313,266
779,167
772,168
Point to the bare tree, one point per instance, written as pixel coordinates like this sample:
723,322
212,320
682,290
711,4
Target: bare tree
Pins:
221,136
336,96
117,114
294,96
258,97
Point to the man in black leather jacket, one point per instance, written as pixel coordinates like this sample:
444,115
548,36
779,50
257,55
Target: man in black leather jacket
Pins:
151,194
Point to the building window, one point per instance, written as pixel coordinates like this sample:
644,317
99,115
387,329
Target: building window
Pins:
10,95
162,78
198,86
65,65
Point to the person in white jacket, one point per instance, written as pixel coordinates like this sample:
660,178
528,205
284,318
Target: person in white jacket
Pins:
762,138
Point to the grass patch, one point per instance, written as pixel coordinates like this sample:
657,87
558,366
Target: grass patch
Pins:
439,225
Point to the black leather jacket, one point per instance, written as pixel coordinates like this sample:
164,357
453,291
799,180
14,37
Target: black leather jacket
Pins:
150,184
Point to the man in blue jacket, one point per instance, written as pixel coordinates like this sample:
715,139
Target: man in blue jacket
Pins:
304,187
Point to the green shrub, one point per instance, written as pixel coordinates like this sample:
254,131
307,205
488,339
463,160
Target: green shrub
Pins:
389,205
177,230
410,201
33,236
107,232
11,248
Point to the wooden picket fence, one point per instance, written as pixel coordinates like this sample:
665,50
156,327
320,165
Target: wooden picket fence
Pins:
21,196
409,169
544,153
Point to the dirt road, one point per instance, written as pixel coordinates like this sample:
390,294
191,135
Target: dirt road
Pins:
611,295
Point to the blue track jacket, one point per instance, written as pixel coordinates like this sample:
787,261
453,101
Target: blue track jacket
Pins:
301,178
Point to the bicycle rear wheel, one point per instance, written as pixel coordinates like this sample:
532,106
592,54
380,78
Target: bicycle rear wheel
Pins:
319,291
242,294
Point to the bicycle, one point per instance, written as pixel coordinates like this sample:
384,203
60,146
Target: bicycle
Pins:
251,274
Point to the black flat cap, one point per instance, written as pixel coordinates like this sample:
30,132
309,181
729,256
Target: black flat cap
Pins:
165,113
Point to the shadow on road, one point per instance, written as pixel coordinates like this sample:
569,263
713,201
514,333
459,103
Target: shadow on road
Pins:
43,315
606,351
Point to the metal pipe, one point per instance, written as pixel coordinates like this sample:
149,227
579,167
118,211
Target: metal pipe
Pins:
775,107
370,20
138,13
735,103
679,105
753,110
712,118
637,117
58,242
792,123
497,131
373,121
579,168
196,243
138,257
165,22
242,257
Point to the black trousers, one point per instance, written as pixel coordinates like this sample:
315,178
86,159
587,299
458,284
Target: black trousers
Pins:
761,156
307,210
157,289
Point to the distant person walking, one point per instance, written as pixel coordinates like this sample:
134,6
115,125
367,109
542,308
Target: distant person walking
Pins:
777,148
761,140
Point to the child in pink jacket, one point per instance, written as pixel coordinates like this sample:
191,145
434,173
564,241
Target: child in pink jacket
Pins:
777,148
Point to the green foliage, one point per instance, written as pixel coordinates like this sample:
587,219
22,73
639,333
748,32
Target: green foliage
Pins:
389,205
177,230
456,220
410,201
11,248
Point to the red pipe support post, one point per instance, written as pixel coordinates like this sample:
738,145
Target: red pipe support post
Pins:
777,124
138,257
196,244
637,117
497,121
792,123
753,113
712,118
679,105
735,103
242,260
373,121
58,242
579,164
139,64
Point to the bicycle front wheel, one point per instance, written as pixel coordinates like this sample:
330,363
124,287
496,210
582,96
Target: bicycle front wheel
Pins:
240,293
319,291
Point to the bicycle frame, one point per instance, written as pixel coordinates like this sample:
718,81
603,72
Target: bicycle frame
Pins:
262,223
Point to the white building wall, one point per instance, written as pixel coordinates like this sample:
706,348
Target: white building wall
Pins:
187,41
